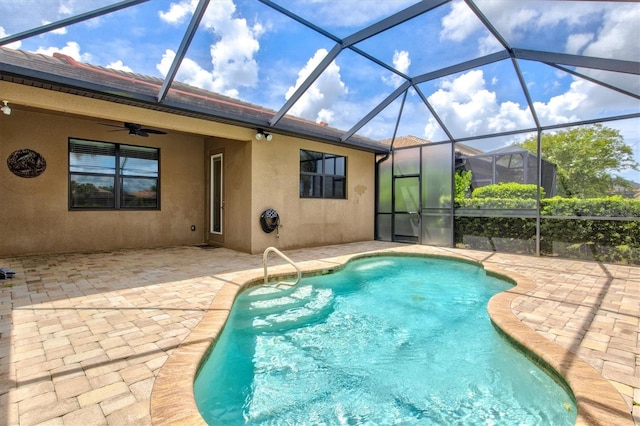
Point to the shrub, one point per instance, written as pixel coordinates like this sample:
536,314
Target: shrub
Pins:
601,240
598,239
496,203
463,184
615,206
590,238
509,190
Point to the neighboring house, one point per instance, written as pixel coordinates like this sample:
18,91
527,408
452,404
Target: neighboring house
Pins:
509,164
627,188
412,141
77,179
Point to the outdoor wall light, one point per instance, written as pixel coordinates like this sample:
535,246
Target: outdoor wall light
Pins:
262,134
6,109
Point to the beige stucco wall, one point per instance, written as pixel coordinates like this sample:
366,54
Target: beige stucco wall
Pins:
236,193
265,174
309,222
34,213
35,217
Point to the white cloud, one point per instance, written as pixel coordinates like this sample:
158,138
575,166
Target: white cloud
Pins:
576,42
325,116
14,45
233,51
59,31
166,61
459,23
510,116
468,108
119,65
65,9
178,12
619,34
488,44
564,108
616,32
352,13
401,62
510,18
192,73
233,55
617,26
71,49
317,102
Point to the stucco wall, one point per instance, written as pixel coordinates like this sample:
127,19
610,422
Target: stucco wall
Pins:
34,212
236,193
309,222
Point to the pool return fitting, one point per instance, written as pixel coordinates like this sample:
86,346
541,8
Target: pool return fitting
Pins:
265,256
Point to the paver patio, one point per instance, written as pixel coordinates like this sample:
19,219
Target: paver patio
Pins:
84,336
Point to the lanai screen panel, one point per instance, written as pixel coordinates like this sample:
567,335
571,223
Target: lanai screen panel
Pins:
542,63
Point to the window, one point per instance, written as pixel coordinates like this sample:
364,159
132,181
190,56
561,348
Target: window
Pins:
322,175
105,175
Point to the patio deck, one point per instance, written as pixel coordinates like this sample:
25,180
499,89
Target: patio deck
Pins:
83,337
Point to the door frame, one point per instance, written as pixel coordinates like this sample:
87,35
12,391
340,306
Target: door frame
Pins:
215,199
412,219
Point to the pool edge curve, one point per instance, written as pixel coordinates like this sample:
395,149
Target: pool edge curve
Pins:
173,401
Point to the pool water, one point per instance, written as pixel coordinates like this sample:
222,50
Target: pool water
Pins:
386,340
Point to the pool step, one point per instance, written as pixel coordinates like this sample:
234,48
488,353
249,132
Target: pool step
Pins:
267,292
298,307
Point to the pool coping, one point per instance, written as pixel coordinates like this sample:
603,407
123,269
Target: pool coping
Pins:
173,400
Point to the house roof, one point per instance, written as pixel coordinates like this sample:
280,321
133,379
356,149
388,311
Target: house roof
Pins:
406,141
449,70
63,73
410,141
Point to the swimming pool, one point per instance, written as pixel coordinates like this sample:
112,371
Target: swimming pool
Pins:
384,340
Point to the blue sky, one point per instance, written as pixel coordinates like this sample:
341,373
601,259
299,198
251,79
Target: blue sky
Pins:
247,50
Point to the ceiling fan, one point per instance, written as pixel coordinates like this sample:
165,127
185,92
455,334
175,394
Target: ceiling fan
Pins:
135,129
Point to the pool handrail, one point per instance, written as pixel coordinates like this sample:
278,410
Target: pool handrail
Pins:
265,256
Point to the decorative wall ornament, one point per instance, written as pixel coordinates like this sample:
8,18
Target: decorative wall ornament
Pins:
26,163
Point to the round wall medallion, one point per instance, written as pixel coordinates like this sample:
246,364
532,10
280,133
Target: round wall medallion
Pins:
26,163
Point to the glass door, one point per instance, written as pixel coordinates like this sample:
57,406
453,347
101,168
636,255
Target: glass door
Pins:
406,209
216,208
415,195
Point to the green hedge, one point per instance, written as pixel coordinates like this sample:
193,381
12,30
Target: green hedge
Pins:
511,234
508,190
602,207
495,203
602,240
595,239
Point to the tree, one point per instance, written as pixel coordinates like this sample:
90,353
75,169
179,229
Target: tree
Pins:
585,158
462,182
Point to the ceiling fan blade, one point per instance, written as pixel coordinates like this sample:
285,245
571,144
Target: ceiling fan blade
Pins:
155,132
111,125
134,129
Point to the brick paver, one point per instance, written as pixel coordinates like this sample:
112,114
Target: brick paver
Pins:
84,336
